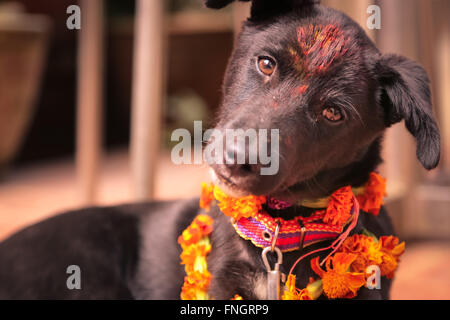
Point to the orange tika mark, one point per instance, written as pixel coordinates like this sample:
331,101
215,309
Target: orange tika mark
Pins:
320,47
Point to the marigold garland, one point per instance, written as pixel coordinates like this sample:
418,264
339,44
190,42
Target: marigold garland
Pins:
337,211
196,245
345,271
344,274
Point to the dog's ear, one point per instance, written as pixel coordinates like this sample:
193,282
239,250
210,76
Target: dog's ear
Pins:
405,95
263,9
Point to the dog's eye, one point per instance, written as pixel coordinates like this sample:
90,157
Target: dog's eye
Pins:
332,114
266,65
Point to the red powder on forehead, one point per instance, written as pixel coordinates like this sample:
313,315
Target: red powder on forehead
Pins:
298,91
302,89
320,46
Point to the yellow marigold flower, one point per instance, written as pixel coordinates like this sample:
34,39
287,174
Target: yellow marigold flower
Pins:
292,293
237,297
338,282
200,264
192,252
238,208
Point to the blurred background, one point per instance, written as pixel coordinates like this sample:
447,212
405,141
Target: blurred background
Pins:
86,115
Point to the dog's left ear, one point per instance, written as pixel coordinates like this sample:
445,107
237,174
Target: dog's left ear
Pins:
263,9
405,95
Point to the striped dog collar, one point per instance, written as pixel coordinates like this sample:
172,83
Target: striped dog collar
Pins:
333,213
293,234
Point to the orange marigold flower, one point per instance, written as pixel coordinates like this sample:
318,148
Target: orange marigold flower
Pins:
391,251
304,294
384,253
207,196
204,223
339,206
338,282
199,228
189,236
366,249
200,279
238,208
195,286
237,297
188,291
372,198
391,245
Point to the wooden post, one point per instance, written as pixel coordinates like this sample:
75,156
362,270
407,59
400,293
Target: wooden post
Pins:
401,167
147,95
443,80
241,12
89,108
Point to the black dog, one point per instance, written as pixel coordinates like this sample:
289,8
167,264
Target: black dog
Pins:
331,104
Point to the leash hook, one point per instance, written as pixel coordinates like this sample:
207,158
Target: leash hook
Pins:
274,277
266,261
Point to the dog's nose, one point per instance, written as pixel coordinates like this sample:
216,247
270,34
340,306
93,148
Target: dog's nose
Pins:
240,161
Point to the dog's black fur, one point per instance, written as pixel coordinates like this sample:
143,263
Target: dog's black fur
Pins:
131,251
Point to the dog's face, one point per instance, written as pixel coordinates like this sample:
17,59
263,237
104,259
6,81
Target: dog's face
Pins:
312,74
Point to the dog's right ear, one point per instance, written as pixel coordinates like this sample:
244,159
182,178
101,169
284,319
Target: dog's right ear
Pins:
406,96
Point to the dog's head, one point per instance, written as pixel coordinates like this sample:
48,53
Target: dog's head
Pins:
311,73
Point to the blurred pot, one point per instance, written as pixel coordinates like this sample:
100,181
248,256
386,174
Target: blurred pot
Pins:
23,44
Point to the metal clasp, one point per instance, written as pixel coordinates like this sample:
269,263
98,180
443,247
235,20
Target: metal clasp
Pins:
274,277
